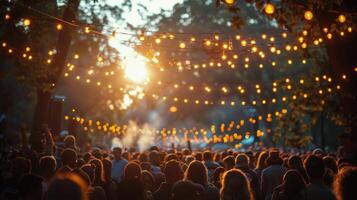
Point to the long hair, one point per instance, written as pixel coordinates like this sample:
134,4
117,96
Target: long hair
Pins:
261,160
98,172
235,186
345,184
294,184
197,173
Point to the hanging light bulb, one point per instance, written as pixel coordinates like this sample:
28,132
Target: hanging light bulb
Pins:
308,15
229,2
269,8
182,45
27,22
341,18
59,27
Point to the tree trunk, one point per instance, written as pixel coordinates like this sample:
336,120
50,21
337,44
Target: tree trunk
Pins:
44,97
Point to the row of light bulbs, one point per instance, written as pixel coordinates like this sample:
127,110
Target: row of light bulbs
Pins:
232,126
269,9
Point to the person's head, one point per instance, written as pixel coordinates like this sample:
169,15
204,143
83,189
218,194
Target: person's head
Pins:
117,153
143,157
228,162
217,176
261,160
235,185
345,184
197,173
66,186
148,180
173,171
154,157
293,183
171,156
98,171
126,155
69,158
30,187
315,167
274,158
132,171
207,156
69,141
318,152
330,163
189,159
295,162
48,166
85,177
89,170
146,166
198,156
186,152
187,190
20,166
87,157
242,160
107,168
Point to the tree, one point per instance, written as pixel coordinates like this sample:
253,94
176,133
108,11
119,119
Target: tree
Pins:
326,15
41,67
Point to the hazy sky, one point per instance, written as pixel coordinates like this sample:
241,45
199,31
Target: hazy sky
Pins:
153,6
134,17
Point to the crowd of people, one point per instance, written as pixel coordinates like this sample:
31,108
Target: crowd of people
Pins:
69,173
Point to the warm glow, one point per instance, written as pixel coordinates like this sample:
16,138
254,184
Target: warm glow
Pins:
27,22
59,27
269,8
135,69
308,15
230,2
341,18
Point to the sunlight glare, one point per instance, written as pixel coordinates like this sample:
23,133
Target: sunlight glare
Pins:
135,69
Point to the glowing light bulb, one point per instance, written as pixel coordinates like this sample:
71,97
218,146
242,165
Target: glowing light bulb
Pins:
308,15
208,43
341,18
182,45
27,22
269,8
229,2
157,40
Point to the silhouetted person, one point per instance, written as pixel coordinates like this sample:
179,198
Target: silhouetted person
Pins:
345,184
235,186
48,166
131,187
295,162
260,165
197,173
66,186
217,177
242,163
315,169
229,162
69,158
173,173
272,176
118,165
187,190
293,187
110,186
